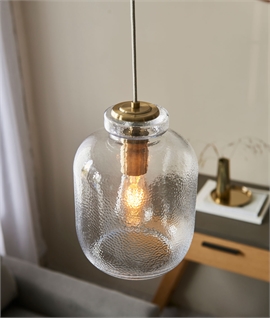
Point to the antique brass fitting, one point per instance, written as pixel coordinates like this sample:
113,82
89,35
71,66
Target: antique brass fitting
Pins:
135,111
134,157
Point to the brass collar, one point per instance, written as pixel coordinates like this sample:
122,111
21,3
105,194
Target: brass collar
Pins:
135,112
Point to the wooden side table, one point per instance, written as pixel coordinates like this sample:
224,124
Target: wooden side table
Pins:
223,243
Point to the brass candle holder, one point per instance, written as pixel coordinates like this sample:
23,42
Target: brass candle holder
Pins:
225,193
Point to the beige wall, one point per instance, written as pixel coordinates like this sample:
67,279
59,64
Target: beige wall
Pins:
205,61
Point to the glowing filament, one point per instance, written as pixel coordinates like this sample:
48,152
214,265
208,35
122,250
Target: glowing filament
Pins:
135,196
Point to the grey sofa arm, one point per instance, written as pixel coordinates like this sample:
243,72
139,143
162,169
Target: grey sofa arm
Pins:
58,295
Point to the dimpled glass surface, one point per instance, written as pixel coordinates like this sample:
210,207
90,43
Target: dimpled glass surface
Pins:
157,237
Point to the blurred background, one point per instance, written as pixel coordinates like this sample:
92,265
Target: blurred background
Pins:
206,62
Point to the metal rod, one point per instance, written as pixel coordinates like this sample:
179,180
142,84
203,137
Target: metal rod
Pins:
134,58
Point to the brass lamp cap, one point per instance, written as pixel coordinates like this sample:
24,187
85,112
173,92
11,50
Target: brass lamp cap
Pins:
135,112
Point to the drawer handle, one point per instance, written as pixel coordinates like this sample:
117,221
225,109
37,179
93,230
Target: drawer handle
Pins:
222,248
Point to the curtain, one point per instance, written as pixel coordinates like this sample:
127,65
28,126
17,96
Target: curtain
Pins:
21,235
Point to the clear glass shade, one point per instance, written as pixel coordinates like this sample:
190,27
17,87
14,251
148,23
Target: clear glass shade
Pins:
135,197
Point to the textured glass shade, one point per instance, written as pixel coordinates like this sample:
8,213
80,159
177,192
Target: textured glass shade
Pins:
135,197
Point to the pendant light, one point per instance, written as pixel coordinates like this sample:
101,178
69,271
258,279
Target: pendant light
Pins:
135,190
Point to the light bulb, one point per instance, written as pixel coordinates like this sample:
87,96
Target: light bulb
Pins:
132,200
133,191
134,194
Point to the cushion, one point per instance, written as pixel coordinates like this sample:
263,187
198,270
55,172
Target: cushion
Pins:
15,310
57,295
8,286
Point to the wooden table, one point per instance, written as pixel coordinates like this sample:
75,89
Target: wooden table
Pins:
223,243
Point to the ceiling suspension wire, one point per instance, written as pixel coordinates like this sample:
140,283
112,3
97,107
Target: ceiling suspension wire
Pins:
134,56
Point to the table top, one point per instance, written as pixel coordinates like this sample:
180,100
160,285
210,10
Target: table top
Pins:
233,230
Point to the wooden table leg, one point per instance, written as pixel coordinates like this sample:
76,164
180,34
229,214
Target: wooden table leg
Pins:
168,284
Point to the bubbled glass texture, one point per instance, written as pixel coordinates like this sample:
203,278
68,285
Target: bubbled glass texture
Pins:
144,242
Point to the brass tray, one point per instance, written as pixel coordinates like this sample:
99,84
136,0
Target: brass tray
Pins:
239,196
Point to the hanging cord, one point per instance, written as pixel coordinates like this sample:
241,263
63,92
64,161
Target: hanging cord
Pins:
134,61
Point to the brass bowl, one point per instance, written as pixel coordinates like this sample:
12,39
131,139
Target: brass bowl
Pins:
238,196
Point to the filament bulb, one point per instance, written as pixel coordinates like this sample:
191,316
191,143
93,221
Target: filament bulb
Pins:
135,198
135,194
